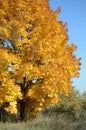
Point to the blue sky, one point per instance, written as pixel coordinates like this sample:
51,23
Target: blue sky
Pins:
74,14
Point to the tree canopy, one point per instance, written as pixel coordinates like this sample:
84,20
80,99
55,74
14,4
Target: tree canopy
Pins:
36,62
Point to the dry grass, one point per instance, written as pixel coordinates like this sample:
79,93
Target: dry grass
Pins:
49,122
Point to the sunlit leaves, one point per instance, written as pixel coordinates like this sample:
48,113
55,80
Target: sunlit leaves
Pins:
39,51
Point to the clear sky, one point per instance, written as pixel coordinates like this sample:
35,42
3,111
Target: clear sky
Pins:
74,14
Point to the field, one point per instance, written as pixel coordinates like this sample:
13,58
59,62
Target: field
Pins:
49,122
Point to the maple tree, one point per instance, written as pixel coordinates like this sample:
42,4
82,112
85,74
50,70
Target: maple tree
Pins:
36,62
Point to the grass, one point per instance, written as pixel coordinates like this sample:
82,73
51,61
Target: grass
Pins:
50,122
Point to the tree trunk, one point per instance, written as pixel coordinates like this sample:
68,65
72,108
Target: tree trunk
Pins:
22,110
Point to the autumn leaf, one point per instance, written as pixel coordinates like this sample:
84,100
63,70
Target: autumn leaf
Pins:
38,65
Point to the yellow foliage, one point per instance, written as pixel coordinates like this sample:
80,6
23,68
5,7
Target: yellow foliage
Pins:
11,109
41,60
